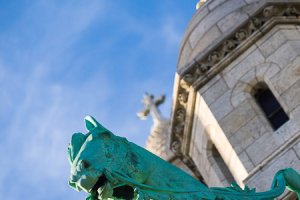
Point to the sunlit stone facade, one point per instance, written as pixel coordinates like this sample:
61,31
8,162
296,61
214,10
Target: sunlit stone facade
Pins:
236,101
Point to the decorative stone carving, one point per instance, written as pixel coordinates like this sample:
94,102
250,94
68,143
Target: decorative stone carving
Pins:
214,57
180,115
254,24
228,46
176,148
186,81
291,11
202,68
183,97
270,11
241,35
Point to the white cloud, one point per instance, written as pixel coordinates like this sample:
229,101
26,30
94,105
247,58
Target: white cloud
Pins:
40,109
43,125
40,112
170,32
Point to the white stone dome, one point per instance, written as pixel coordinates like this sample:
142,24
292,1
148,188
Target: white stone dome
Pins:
213,22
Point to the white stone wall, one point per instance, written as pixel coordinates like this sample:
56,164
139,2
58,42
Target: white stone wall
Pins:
222,112
206,133
275,60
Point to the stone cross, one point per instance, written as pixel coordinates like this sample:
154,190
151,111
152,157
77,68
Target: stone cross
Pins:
151,107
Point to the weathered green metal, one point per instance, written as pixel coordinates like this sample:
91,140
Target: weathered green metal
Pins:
109,167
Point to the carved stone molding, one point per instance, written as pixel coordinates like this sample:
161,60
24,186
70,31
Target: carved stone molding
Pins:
216,60
191,165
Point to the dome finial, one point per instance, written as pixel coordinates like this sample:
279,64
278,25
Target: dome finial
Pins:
200,3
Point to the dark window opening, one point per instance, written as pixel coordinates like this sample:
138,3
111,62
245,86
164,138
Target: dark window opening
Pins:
221,164
270,106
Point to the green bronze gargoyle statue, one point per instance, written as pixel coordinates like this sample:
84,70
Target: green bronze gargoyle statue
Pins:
109,167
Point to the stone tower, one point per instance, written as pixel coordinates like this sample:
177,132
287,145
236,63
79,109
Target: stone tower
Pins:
236,103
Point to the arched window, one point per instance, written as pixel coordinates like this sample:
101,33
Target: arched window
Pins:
270,106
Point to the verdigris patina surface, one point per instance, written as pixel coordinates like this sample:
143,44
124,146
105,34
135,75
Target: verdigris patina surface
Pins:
109,167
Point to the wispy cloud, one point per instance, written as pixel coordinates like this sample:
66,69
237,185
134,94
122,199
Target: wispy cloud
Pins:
61,60
34,107
40,131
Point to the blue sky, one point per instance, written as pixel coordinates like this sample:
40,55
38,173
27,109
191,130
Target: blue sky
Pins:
61,60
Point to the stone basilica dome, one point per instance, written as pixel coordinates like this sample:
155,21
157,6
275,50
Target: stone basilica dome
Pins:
215,20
